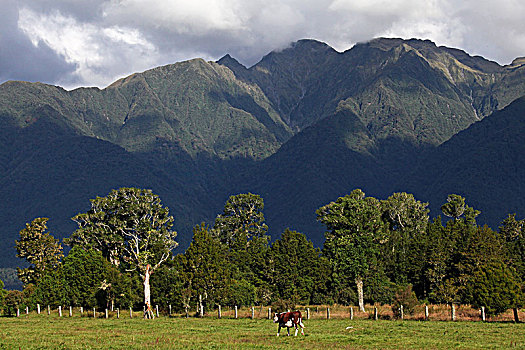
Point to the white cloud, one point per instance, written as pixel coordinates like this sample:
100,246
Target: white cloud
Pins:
179,16
106,39
99,54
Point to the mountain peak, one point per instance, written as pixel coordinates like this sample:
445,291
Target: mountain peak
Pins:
387,44
311,44
301,48
230,62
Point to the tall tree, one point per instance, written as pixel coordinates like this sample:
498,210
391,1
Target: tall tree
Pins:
41,250
455,206
355,231
446,251
207,267
241,228
488,280
298,271
513,232
241,220
407,219
129,226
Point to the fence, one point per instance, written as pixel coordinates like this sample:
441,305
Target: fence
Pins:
375,312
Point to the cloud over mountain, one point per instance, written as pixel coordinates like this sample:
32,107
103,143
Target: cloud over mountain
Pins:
94,42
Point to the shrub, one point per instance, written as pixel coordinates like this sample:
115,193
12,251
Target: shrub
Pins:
13,300
282,305
404,296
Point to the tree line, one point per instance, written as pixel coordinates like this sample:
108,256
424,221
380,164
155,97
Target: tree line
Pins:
375,251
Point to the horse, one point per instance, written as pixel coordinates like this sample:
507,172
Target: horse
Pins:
288,320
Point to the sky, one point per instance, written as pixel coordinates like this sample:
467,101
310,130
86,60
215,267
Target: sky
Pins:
73,43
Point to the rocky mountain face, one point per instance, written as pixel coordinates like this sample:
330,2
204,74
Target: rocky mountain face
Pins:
304,125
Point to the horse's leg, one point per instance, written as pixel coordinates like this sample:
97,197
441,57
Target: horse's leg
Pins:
279,330
296,329
288,329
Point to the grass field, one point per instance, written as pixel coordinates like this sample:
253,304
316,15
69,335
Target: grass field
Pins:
52,332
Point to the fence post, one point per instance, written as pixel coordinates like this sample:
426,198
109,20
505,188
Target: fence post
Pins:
48,310
307,313
219,312
106,313
201,307
483,313
426,312
253,312
17,312
94,313
130,312
236,313
70,311
38,308
118,312
186,309
401,311
81,311
157,310
60,310
376,314
351,313
269,313
453,312
327,313
27,310
170,309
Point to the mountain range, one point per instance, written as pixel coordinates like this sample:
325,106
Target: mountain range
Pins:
303,126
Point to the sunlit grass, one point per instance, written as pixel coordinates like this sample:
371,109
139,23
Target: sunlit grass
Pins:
43,331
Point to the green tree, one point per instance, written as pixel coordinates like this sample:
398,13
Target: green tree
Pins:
241,221
448,277
3,294
455,206
241,228
513,232
407,219
355,232
91,280
494,286
51,288
41,250
129,226
298,271
436,255
83,271
13,300
207,267
168,285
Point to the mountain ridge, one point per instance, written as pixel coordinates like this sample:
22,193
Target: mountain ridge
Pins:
300,127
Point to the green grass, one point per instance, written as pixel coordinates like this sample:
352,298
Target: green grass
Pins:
52,332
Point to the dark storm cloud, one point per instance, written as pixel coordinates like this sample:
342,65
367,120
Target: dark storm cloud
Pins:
94,42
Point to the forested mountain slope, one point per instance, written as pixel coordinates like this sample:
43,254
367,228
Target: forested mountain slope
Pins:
485,163
304,125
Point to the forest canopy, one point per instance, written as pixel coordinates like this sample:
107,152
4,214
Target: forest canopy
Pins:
375,251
